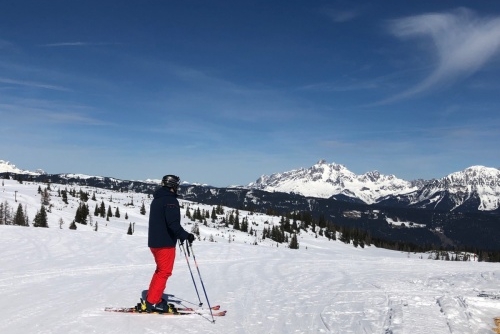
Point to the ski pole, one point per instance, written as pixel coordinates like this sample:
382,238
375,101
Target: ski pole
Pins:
202,285
192,277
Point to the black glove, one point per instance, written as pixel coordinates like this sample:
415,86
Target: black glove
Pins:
190,238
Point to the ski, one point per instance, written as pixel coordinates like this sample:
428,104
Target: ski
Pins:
216,308
489,295
200,310
180,311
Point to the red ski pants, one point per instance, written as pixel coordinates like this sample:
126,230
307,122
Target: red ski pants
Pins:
164,258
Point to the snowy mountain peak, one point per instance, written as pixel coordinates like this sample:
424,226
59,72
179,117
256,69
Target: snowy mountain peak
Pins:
326,180
474,176
476,184
7,167
475,173
475,187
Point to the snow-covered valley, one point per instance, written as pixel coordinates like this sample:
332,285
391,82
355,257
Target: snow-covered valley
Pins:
57,280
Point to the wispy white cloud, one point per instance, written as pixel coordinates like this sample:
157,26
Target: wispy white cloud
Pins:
5,44
74,118
462,42
62,44
341,86
33,84
342,15
39,111
221,98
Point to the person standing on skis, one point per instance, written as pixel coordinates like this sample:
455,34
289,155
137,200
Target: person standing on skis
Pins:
164,231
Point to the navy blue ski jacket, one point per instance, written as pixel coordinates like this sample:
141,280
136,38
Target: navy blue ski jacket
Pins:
165,220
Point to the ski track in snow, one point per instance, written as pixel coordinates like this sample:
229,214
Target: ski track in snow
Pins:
57,281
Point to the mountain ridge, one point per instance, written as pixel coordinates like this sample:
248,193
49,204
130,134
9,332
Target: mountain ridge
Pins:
456,190
476,188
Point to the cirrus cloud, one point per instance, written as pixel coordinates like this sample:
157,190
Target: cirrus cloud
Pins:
462,42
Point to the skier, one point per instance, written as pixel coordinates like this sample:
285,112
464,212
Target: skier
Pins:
164,231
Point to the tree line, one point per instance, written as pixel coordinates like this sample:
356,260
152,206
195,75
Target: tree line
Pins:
19,217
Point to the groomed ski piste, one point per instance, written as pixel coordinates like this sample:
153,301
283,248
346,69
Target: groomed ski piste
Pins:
57,280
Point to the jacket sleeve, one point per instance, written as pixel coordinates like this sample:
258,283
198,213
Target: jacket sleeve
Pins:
173,221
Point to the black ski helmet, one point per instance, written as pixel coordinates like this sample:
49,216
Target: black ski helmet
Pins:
171,181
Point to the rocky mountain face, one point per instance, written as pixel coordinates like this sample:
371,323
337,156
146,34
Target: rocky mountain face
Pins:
475,188
325,180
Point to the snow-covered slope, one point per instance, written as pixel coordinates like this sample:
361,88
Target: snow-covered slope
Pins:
58,280
325,180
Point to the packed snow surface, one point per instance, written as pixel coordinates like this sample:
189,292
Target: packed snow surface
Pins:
56,280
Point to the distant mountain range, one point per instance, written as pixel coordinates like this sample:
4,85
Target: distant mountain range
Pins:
475,188
459,210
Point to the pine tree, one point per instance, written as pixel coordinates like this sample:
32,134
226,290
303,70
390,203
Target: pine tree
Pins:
102,210
19,218
64,195
110,213
1,214
294,244
126,215
244,224
213,216
143,209
5,214
117,213
84,196
78,214
130,232
41,218
236,224
26,218
45,199
81,214
72,226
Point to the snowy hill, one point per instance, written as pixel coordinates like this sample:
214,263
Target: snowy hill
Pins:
57,280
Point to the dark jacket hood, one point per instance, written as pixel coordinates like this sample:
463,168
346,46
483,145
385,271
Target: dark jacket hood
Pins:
164,191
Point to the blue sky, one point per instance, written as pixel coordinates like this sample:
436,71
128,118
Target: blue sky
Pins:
221,92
